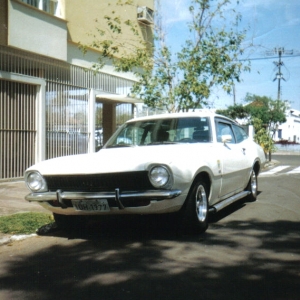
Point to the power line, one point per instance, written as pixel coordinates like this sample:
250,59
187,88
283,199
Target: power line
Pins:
271,57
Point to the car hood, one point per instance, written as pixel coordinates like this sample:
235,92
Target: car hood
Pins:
115,160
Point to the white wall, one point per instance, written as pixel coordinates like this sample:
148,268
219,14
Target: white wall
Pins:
290,130
36,31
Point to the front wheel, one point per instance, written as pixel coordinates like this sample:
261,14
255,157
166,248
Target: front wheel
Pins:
252,187
195,214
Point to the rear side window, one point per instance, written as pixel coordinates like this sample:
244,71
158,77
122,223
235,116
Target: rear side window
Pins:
240,134
224,129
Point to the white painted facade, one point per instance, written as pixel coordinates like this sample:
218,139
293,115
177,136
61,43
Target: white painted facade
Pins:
290,130
35,31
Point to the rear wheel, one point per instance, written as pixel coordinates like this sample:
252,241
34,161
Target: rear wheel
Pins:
252,187
195,214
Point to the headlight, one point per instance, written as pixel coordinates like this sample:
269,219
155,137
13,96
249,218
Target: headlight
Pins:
35,182
159,176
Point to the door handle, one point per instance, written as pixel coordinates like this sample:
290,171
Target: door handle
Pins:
244,150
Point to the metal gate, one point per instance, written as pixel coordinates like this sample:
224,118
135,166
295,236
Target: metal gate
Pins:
66,120
17,128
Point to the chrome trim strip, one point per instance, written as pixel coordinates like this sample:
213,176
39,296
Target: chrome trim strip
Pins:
150,194
216,207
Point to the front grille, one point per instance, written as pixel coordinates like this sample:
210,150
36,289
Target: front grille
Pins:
127,181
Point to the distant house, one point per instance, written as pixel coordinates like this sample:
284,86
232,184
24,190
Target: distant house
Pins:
290,130
51,103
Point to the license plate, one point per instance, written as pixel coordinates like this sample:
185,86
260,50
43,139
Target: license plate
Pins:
91,205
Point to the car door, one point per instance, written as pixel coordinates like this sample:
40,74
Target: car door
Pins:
234,161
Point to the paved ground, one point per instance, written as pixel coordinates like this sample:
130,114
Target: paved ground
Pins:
12,201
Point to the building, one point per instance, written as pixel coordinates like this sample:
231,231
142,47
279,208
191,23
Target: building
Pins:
290,130
51,103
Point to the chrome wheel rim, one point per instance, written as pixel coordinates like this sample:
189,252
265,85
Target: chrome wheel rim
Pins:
201,203
253,184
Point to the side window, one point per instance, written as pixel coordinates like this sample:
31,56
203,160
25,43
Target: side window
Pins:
224,129
240,134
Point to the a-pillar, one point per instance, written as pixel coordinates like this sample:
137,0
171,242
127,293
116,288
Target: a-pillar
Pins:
109,120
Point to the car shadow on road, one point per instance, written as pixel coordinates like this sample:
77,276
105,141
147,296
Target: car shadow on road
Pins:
141,259
119,227
166,226
144,257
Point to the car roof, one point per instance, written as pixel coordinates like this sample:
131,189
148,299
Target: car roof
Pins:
199,113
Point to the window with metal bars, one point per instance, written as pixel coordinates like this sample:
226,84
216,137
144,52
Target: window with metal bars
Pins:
66,103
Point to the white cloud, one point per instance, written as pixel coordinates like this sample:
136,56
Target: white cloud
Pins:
174,11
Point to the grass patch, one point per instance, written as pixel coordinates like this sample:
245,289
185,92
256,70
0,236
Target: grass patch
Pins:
24,223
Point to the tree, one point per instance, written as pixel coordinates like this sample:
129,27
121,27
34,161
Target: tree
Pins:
264,114
183,80
234,112
262,137
271,112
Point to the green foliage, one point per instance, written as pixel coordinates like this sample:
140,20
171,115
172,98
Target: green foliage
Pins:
24,223
271,112
211,58
183,80
238,111
262,136
264,114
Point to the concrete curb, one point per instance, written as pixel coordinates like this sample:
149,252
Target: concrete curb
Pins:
9,239
270,164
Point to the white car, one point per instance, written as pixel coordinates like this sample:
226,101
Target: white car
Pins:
189,163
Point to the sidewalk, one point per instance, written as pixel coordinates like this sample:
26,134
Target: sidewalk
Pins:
12,201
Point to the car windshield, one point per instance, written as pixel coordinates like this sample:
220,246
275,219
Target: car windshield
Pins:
162,131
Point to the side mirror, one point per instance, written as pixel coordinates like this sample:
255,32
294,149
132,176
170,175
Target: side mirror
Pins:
226,138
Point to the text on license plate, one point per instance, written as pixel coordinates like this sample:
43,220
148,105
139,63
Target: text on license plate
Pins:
91,205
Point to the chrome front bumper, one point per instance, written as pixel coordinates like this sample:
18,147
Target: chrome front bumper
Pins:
61,196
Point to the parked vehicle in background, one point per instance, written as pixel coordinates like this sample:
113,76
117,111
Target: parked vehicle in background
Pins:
69,142
98,138
185,163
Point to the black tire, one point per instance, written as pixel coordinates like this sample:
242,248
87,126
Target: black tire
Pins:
68,222
195,211
252,187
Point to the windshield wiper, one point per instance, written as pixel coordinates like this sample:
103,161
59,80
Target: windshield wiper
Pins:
161,143
119,146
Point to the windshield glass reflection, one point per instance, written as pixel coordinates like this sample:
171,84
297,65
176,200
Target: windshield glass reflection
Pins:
162,131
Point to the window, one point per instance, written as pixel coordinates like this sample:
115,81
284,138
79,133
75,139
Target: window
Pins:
34,3
49,6
167,131
239,133
224,129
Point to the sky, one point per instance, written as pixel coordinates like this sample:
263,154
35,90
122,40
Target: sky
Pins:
270,24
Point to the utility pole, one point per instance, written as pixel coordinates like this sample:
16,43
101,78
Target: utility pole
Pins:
234,96
280,51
